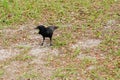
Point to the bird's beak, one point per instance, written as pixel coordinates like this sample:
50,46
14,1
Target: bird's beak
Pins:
35,28
56,27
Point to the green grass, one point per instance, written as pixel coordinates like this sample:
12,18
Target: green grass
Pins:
55,12
1,72
83,16
76,52
64,73
30,75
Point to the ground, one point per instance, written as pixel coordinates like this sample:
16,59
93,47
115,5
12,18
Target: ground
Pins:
86,46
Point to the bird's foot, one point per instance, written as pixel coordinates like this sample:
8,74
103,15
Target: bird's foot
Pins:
41,44
51,44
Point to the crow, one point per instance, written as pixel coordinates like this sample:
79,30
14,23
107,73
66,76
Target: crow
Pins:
46,32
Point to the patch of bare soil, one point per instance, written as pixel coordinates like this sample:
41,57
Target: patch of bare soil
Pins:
7,53
89,43
14,69
26,38
85,56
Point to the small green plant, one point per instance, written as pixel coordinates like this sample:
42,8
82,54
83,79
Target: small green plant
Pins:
23,57
117,52
64,73
30,75
5,42
1,72
63,40
76,52
23,47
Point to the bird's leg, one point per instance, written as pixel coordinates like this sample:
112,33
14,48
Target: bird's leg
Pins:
43,41
51,41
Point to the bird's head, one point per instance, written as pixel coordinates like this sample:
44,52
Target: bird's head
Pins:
40,27
55,27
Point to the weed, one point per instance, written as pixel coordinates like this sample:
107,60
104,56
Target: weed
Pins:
63,39
5,42
1,72
30,75
117,52
23,47
64,73
23,57
76,52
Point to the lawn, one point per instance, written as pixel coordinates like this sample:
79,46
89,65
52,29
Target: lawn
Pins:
87,43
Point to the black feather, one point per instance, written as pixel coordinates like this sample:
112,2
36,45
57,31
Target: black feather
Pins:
46,32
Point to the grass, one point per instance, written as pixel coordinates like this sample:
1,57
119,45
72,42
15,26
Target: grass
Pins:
76,52
1,72
77,19
64,73
56,10
30,75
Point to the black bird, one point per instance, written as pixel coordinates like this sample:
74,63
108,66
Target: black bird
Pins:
46,32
